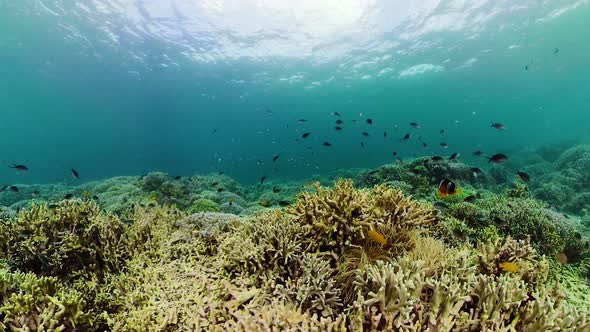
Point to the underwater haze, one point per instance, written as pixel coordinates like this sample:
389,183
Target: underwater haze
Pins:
121,87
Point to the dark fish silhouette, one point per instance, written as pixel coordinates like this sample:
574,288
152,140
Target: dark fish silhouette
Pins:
262,179
523,176
384,134
476,171
14,189
276,189
369,121
327,144
220,190
362,144
178,177
444,145
300,121
364,133
498,158
415,125
68,196
337,128
75,174
498,125
338,121
478,153
406,137
442,131
436,158
20,168
305,135
275,158
335,113
454,156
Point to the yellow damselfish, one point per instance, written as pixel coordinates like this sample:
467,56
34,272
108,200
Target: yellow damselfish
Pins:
377,237
509,267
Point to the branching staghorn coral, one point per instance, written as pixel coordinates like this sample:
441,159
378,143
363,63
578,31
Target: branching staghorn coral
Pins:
31,303
339,218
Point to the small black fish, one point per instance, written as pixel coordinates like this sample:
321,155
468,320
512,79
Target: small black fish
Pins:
275,158
369,121
407,137
337,128
335,113
362,144
424,144
470,199
94,197
523,176
300,121
220,173
478,153
364,133
284,203
214,184
394,153
442,131
556,50
498,158
14,189
476,171
454,156
444,145
305,135
25,233
384,134
151,205
178,177
3,188
498,125
436,158
276,189
68,196
20,168
220,190
262,179
327,144
338,121
52,206
75,174
415,125
526,67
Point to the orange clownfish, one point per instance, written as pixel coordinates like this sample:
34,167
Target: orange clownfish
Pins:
447,188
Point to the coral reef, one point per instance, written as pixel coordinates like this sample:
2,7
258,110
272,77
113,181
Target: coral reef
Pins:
154,253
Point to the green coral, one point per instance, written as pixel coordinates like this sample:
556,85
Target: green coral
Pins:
203,205
66,240
31,303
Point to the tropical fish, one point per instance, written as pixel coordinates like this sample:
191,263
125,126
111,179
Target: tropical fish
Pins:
14,189
305,135
262,179
276,189
415,125
284,203
75,174
476,171
477,153
335,113
377,237
153,198
406,137
362,144
327,144
384,134
95,198
68,196
300,121
364,133
20,168
178,177
447,188
523,176
275,158
369,121
214,184
498,126
509,267
337,128
444,145
470,198
454,156
86,193
436,158
394,153
220,190
498,158
278,213
264,203
442,132
339,121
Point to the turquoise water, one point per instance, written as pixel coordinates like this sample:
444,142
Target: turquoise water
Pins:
186,87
